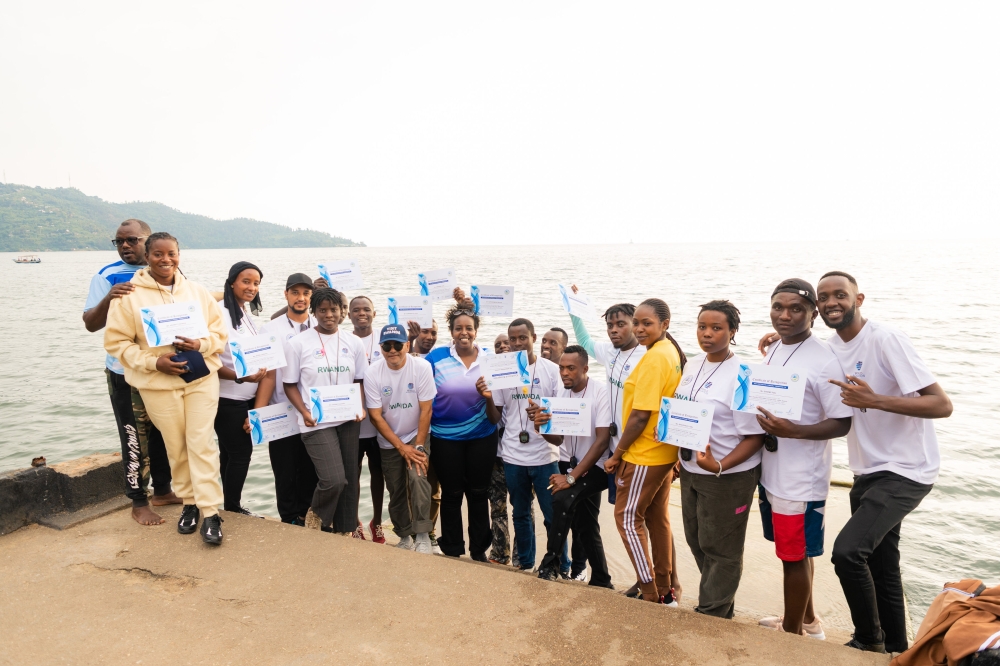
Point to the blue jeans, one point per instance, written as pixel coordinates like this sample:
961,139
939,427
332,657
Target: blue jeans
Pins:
520,480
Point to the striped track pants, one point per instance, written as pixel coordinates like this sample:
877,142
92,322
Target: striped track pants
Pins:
643,518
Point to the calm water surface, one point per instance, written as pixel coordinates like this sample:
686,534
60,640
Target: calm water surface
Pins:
53,394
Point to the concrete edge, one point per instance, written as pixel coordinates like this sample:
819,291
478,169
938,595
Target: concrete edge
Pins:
68,519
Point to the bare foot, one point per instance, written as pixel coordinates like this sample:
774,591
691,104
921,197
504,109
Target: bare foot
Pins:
163,500
677,591
146,516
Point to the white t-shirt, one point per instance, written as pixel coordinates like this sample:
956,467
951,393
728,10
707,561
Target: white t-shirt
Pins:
227,387
713,383
373,353
545,383
398,394
800,469
285,329
323,360
618,365
600,417
879,441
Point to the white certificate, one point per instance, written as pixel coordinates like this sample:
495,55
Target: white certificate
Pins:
570,416
163,323
253,352
272,422
333,404
684,423
577,304
411,308
341,275
778,389
438,284
493,300
507,370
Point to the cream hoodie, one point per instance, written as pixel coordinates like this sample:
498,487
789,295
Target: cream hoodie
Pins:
124,339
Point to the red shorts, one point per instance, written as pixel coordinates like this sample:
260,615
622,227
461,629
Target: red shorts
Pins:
796,528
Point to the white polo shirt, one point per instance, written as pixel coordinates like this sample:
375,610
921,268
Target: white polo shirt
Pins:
398,394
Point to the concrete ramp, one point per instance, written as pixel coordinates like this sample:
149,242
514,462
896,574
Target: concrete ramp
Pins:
112,592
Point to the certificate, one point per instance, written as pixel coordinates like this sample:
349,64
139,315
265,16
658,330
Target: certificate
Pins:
684,423
411,308
570,416
272,422
438,284
334,404
341,275
493,300
577,304
253,352
778,389
505,370
163,323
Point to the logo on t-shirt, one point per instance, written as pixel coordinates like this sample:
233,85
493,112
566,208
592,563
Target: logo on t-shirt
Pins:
344,351
319,353
538,380
386,391
409,386
707,385
688,379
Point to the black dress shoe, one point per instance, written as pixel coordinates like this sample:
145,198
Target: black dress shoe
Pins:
211,530
189,519
866,647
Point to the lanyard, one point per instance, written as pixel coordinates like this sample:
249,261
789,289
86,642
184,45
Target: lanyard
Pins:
245,317
523,414
572,446
329,370
789,356
694,398
615,396
307,323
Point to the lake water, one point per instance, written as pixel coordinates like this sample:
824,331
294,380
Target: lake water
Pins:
53,395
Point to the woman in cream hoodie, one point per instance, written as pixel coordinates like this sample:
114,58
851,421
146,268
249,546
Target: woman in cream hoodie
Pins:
184,412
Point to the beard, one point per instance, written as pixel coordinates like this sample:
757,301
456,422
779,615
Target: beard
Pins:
846,321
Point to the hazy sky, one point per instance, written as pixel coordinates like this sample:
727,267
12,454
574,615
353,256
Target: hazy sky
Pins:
469,122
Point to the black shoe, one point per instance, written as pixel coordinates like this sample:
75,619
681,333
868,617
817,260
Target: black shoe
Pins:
211,530
326,528
858,645
189,519
548,573
245,511
481,557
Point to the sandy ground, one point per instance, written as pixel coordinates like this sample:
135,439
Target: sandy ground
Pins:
112,592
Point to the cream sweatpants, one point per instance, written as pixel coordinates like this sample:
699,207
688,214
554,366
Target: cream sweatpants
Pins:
186,418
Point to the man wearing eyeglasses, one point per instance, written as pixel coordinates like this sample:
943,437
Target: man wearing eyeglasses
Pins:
399,393
143,451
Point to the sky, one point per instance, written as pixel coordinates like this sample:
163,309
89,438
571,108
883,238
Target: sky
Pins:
432,123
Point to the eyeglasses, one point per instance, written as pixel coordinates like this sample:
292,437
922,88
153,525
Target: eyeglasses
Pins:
394,345
131,240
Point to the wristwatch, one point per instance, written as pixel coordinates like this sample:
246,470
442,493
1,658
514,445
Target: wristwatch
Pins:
570,479
239,380
420,447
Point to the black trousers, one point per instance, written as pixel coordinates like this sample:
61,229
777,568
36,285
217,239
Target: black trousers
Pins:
866,556
578,554
235,449
578,508
294,477
144,455
464,468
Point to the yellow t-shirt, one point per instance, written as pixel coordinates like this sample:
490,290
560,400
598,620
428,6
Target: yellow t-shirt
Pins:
657,374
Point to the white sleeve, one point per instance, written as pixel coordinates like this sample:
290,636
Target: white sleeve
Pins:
747,424
426,388
602,405
360,361
500,397
829,394
293,355
907,368
373,391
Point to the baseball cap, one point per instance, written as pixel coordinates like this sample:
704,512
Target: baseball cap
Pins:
298,278
796,286
392,332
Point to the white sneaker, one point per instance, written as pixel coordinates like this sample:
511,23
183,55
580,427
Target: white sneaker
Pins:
423,544
582,576
814,630
406,543
435,548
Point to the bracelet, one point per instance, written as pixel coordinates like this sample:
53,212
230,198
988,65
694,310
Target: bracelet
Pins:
719,473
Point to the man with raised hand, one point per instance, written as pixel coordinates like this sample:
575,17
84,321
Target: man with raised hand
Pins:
143,452
554,341
422,340
400,390
576,490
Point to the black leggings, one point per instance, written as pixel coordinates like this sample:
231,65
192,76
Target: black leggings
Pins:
235,449
464,468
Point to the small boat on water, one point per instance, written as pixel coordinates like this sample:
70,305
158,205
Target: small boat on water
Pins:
28,259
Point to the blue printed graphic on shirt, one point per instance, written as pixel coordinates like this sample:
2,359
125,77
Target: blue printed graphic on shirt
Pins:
100,285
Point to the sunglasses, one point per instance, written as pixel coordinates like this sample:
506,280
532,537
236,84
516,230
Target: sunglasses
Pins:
131,240
393,345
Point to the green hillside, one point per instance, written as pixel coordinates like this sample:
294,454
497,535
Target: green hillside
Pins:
33,219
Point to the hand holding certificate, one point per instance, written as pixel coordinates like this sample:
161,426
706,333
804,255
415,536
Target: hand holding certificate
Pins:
411,308
568,416
335,404
778,389
684,423
493,300
162,324
437,284
341,275
506,370
253,352
272,422
577,304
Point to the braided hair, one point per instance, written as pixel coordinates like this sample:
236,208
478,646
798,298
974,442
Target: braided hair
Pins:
662,311
730,311
626,309
158,236
320,296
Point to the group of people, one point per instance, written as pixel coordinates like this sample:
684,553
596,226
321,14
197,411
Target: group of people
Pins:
436,436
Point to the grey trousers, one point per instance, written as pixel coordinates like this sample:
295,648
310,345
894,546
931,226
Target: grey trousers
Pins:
716,511
409,494
333,451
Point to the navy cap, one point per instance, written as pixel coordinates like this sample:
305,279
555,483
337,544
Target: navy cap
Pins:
392,332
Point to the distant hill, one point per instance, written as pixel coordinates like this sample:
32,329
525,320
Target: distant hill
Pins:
33,219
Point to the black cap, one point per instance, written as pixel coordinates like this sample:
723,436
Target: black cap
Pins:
298,278
796,286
